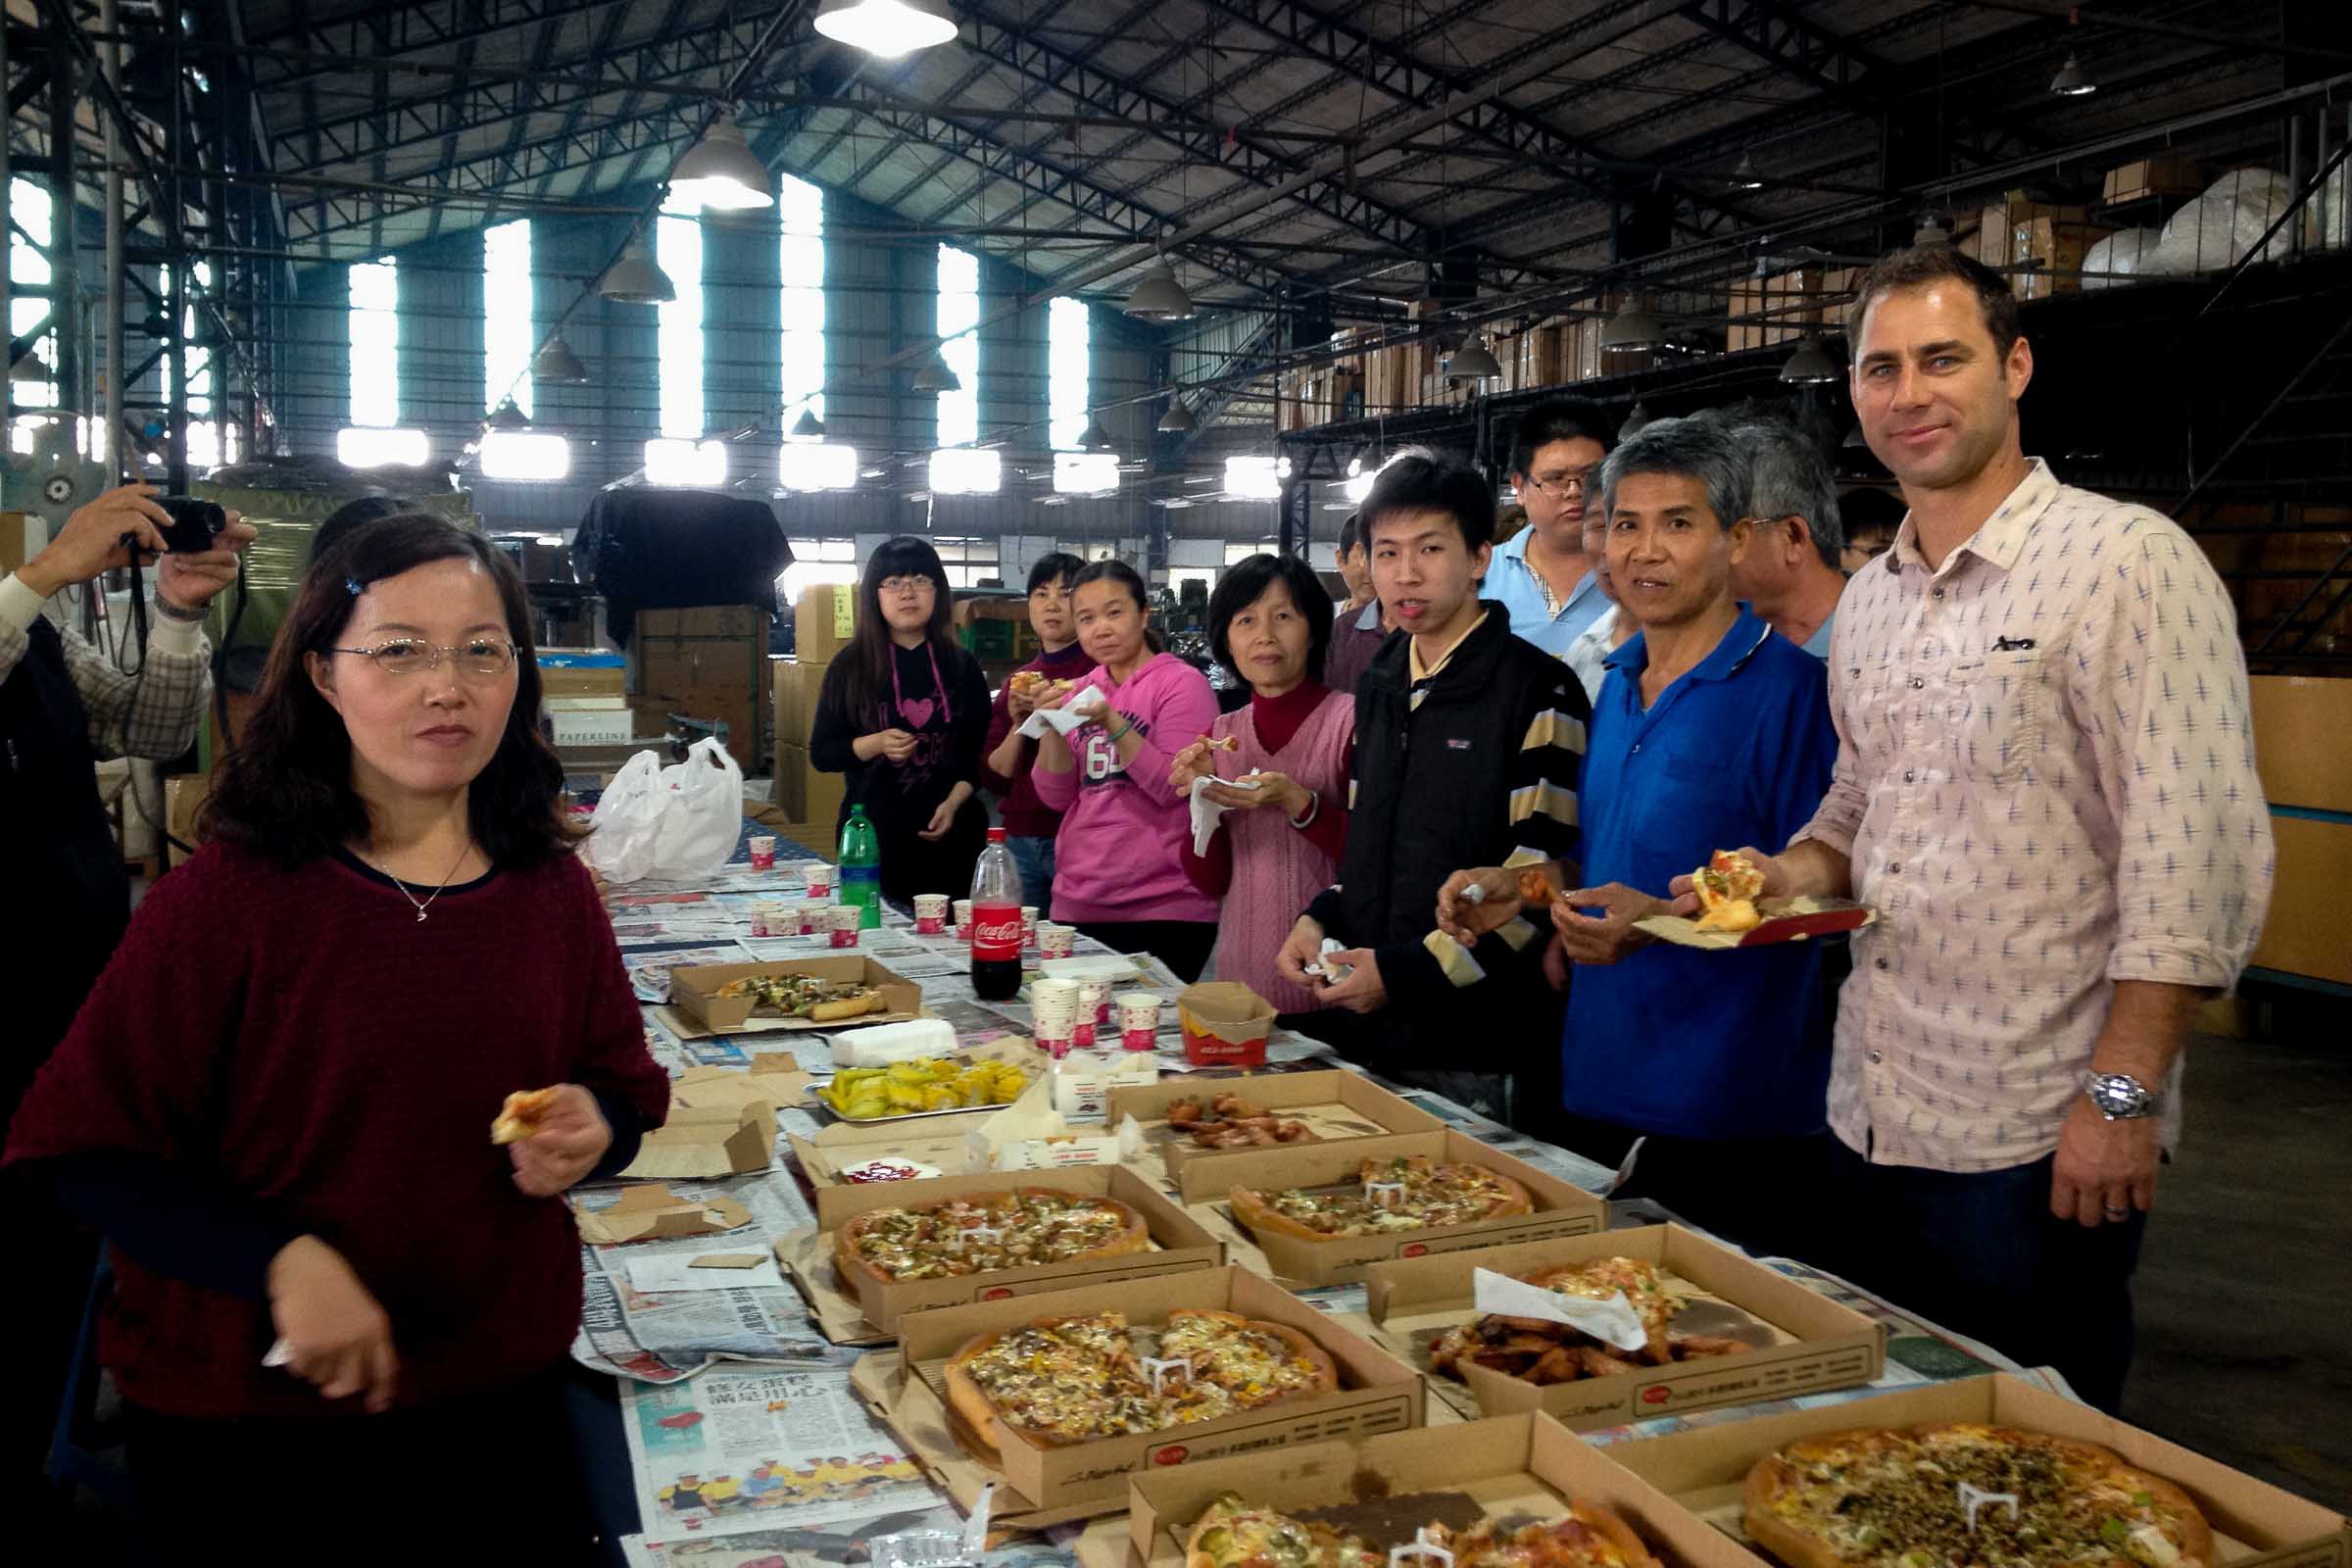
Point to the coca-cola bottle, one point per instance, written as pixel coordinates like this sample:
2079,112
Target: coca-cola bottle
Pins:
996,923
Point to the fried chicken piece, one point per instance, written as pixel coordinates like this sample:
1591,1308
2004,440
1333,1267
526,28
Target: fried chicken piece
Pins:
1699,1346
1557,1365
1233,1107
1184,1113
1600,1363
1293,1132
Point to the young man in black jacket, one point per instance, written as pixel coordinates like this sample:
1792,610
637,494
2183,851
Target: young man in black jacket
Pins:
1469,742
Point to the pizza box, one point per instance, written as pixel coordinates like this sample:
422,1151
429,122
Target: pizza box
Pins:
2255,1524
868,1313
654,1213
1051,1484
699,1011
1514,1468
1559,1208
1785,920
1335,1105
1805,1341
827,1156
722,1122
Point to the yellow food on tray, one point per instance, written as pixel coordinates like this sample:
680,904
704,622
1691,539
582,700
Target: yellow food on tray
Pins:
928,1083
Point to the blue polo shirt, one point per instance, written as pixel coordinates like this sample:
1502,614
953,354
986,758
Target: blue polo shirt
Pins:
1510,579
1684,1041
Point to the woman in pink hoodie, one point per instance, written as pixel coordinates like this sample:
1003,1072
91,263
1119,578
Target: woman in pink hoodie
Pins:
1119,854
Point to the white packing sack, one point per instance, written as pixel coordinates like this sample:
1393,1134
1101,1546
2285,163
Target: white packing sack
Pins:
682,820
2124,252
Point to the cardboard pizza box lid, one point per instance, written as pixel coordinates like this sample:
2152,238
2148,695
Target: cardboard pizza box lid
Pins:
654,1213
702,1142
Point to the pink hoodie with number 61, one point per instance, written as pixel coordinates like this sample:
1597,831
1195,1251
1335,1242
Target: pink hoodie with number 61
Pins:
1119,854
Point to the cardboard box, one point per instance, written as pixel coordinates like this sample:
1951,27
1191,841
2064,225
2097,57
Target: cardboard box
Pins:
672,666
2055,248
1542,353
655,1214
611,724
712,620
1778,309
2308,931
1559,1208
1805,1343
807,792
2256,1525
2164,174
1336,1106
1520,1466
937,1142
866,1311
694,992
581,673
722,1122
796,686
821,621
2303,740
1226,1024
1377,1394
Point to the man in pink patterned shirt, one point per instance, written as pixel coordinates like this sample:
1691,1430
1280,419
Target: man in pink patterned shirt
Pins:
2045,787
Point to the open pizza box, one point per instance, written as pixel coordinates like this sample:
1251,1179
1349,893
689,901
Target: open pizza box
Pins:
722,1122
847,1152
696,1009
2255,1524
1559,1209
1041,1485
1031,1133
1518,1469
866,1311
1785,920
654,1213
1333,1105
1803,1341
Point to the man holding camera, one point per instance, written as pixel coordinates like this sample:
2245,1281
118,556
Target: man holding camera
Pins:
64,704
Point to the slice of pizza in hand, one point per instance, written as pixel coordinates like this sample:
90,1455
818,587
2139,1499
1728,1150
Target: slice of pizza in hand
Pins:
1728,887
518,1118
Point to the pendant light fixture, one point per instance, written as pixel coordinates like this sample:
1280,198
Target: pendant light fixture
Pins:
1931,230
636,278
556,364
1809,365
721,171
1632,328
808,427
506,417
1093,438
886,27
2071,80
1178,420
1473,362
1744,176
1159,297
934,378
1634,421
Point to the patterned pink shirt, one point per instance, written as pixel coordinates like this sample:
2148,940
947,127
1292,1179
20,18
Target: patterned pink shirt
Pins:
2045,781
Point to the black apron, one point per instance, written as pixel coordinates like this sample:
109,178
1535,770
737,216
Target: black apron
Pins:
75,896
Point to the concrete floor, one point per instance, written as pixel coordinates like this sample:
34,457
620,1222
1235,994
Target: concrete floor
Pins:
2245,1282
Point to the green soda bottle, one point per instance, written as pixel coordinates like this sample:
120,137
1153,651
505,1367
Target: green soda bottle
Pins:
861,867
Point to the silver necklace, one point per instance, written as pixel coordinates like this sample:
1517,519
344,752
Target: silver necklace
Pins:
437,891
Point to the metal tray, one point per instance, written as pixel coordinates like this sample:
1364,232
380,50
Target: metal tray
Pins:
818,1105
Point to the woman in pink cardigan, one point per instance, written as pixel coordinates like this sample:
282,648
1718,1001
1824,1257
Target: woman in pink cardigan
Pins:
1279,843
1119,853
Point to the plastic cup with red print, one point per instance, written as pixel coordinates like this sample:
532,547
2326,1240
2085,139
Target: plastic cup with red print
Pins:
1055,941
1138,1020
930,914
841,923
820,880
1093,1010
770,918
812,918
764,852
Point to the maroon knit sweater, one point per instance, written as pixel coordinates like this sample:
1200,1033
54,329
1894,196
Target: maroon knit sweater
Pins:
300,1039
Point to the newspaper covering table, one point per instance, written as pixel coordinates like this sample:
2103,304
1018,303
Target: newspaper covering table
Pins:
746,1443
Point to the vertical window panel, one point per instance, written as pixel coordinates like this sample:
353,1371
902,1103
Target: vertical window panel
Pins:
376,343
1069,371
678,247
800,264
960,344
509,331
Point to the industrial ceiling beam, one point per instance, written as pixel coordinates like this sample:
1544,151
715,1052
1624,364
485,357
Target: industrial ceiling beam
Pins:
368,34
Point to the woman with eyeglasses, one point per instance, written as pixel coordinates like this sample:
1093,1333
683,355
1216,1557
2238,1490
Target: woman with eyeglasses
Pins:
904,712
276,1102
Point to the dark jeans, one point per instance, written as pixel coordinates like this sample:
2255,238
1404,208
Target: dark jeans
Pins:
1512,1076
1184,946
364,1488
1033,858
1982,1254
1768,1195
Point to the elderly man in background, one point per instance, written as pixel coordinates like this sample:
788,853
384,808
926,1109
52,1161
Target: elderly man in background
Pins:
1790,574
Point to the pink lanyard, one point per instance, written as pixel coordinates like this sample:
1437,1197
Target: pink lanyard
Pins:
947,710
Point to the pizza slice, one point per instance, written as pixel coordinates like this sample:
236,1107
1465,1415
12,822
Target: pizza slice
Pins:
1590,1537
1534,886
1231,1534
1408,1193
518,1118
1728,887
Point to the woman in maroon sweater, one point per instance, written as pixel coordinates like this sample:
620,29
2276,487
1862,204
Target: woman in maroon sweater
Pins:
330,1285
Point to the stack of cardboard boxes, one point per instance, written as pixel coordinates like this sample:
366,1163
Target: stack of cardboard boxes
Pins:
822,622
708,663
582,691
2045,241
1781,310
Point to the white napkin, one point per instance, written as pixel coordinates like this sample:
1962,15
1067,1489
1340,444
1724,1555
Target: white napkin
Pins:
1614,1320
1323,968
1060,718
1205,811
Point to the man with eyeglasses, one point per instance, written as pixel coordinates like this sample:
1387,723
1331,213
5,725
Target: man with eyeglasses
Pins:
64,705
1542,575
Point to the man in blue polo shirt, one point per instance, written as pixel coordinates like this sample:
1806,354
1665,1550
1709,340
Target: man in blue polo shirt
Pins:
1541,575
1708,724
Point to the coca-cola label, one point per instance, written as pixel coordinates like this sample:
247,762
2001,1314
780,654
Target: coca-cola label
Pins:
997,934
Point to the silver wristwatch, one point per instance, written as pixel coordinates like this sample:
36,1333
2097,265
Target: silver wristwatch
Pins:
2120,1096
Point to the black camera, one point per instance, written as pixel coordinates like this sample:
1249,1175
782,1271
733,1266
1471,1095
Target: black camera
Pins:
195,524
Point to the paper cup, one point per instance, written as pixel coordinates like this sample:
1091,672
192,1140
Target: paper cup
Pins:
842,921
771,920
813,916
764,852
1029,925
1054,1016
1094,1002
963,919
820,880
1055,940
1138,1020
930,914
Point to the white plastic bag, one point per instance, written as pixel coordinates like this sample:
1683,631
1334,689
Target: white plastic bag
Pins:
2123,252
671,822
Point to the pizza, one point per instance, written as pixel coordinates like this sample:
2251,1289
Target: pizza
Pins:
1222,743
804,996
1539,1351
1534,886
1728,886
1057,1381
1037,685
1229,1122
1231,1534
984,1231
518,1118
1406,1194
1935,1497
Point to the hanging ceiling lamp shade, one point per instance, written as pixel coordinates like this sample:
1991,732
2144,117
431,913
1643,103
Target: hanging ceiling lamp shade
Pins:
1854,438
1744,176
1178,420
2072,81
886,27
1931,230
1632,328
27,368
1093,438
723,172
935,377
506,417
808,427
557,362
636,279
1159,297
1809,365
1473,362
1634,421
